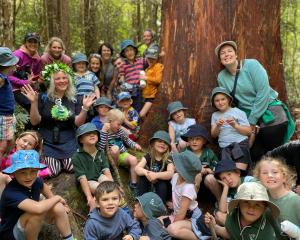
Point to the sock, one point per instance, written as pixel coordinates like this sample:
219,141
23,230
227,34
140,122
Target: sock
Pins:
69,237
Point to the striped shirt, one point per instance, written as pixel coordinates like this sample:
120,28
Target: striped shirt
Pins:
131,72
86,83
117,139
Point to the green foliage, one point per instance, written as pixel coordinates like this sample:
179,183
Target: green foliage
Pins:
22,119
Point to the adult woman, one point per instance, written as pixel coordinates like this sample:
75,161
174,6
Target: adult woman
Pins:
29,67
148,39
58,113
55,52
108,70
254,95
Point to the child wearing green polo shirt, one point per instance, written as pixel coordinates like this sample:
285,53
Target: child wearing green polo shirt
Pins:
147,209
90,164
250,215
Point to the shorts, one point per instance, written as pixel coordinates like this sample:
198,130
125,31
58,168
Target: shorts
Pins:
19,232
122,158
94,184
198,225
7,127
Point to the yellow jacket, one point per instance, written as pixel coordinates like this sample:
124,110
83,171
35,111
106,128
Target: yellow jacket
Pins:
154,78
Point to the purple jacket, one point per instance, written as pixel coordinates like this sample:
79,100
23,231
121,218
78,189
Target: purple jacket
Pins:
48,59
25,59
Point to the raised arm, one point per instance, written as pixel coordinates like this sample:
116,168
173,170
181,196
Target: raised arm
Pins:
32,96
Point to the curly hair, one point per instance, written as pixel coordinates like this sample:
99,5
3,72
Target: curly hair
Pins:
287,171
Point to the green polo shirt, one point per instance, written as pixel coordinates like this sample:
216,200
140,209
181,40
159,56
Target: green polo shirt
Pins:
85,165
208,157
259,230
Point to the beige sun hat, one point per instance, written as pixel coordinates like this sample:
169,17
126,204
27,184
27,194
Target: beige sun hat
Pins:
231,43
253,191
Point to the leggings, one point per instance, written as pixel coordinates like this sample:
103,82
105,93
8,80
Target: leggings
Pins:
267,139
162,188
57,165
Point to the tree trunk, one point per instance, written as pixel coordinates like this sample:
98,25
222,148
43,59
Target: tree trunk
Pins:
6,23
191,30
90,26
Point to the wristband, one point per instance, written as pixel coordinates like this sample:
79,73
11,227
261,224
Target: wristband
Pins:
84,109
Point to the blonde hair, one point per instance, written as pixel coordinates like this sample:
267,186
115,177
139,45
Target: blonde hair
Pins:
70,92
152,155
37,138
288,173
115,114
51,41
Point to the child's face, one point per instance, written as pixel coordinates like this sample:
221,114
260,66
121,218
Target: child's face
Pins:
160,146
151,61
129,53
221,102
90,138
118,63
80,67
26,176
95,64
196,143
178,116
271,176
108,203
102,110
251,211
138,211
27,142
125,103
231,178
115,125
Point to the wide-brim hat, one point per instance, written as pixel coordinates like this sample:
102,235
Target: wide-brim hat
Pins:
187,164
152,205
7,58
196,130
86,128
162,135
174,107
126,43
218,48
104,101
123,95
225,165
253,191
24,159
152,51
217,90
79,57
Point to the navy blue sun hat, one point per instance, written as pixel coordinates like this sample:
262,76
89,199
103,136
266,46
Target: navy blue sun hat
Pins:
126,43
196,130
225,165
79,57
7,58
104,101
86,128
123,95
24,159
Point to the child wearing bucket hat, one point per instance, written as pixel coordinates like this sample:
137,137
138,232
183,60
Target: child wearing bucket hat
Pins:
178,125
130,71
86,82
147,209
102,107
132,118
187,221
230,177
156,168
232,128
250,215
197,138
91,166
22,212
152,76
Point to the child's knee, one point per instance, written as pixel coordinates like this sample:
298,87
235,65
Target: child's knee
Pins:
132,160
58,209
173,230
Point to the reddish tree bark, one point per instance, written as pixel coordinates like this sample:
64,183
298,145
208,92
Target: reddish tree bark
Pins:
191,30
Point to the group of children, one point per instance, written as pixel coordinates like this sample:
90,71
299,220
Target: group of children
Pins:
170,178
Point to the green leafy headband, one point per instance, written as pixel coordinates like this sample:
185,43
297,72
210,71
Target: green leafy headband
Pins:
50,69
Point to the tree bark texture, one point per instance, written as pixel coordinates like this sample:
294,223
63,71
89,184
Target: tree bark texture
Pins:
6,23
90,26
191,30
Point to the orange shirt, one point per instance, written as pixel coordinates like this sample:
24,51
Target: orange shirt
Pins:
154,78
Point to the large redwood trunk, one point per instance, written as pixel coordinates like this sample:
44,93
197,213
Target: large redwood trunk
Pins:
191,30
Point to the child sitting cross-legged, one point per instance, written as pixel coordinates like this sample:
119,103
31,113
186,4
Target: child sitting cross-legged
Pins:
113,136
107,220
21,211
147,209
249,215
90,164
197,138
156,168
178,125
131,120
187,221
